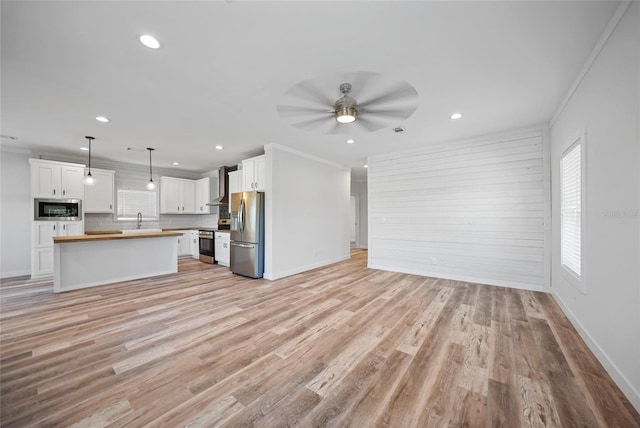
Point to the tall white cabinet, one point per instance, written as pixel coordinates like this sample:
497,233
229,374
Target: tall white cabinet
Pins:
52,180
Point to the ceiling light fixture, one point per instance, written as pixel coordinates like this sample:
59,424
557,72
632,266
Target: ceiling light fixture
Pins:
351,141
176,163
84,149
102,119
366,166
150,184
455,116
149,41
219,147
88,179
345,108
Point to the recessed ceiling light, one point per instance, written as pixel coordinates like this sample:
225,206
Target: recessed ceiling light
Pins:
455,116
84,148
219,147
149,41
366,166
176,163
351,141
102,119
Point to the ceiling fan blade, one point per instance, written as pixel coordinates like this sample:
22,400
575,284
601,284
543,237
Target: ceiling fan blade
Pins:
396,113
402,91
311,123
369,125
309,91
288,110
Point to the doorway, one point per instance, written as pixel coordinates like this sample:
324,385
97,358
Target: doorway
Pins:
354,217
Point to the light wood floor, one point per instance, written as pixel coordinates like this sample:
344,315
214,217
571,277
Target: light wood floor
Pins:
338,346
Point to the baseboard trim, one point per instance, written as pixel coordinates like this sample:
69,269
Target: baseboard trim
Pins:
15,273
283,274
618,377
466,278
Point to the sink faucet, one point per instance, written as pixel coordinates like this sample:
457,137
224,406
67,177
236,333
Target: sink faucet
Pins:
139,220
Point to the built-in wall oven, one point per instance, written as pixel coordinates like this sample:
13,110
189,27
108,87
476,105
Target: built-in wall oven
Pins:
207,253
57,209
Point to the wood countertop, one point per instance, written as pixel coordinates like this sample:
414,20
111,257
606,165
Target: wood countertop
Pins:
112,236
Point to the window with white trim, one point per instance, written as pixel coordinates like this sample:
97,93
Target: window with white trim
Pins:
132,202
571,209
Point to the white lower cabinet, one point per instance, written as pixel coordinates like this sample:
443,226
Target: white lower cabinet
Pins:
184,244
194,243
42,243
222,241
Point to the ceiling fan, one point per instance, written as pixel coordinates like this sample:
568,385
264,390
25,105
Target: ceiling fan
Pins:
380,103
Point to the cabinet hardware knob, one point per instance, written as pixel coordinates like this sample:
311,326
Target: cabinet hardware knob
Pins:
54,191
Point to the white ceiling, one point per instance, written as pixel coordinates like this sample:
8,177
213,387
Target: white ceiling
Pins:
224,66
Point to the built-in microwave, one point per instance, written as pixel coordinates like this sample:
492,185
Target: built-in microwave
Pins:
58,209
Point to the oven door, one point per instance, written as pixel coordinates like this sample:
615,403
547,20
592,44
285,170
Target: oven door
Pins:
207,253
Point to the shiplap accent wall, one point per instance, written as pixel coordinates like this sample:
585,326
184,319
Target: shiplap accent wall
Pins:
471,210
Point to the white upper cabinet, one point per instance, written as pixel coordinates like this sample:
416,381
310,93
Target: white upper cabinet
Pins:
56,180
99,197
177,196
203,196
253,173
234,182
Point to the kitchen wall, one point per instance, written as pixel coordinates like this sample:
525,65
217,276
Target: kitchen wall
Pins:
130,176
359,187
16,211
307,212
16,205
605,109
469,210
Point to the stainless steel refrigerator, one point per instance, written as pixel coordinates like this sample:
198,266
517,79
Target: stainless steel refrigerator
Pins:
247,233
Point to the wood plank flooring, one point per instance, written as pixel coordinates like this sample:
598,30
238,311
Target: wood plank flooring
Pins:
337,346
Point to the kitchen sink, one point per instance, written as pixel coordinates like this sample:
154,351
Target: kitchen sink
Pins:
130,231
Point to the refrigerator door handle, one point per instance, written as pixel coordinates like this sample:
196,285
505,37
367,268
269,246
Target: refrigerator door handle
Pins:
241,214
235,244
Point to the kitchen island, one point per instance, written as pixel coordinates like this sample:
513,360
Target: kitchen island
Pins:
91,260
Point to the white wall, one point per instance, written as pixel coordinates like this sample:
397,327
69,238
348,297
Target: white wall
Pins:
307,212
15,214
359,187
605,106
469,210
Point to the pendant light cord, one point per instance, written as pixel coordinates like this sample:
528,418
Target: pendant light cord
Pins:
150,167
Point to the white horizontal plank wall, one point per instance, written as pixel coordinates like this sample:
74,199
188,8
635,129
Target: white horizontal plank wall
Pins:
470,210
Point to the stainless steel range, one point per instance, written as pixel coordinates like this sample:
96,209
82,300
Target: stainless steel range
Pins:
207,252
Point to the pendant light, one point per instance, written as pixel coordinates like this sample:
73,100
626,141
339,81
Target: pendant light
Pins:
88,179
150,185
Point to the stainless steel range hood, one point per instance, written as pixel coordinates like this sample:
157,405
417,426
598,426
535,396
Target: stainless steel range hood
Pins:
223,186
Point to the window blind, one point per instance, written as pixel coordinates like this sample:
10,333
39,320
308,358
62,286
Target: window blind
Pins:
571,209
132,202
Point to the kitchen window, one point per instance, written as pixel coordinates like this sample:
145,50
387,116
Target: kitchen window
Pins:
571,220
132,202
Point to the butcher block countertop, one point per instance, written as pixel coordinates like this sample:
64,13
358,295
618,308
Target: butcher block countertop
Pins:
112,236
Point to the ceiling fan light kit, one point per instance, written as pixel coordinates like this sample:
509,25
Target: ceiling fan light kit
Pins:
346,108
